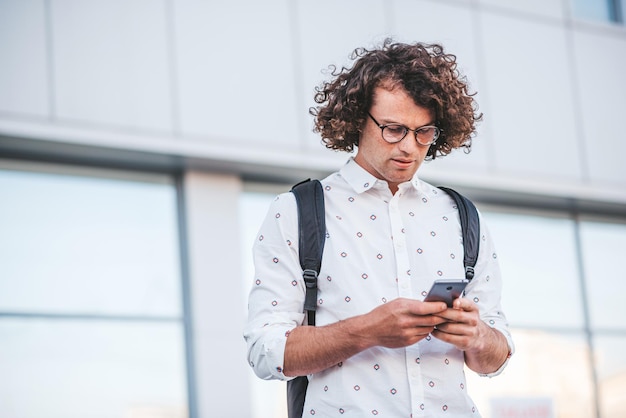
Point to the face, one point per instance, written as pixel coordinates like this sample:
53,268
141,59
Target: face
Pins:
395,163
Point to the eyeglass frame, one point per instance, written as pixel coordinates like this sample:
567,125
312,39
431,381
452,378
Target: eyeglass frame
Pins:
438,131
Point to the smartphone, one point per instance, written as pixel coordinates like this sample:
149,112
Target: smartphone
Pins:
446,291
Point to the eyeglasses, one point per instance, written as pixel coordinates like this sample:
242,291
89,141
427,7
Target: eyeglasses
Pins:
394,132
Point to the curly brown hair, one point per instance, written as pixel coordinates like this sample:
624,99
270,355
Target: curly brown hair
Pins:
428,74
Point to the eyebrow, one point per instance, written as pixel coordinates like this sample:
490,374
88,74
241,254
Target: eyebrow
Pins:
401,124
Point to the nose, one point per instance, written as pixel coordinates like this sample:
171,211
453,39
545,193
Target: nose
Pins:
409,145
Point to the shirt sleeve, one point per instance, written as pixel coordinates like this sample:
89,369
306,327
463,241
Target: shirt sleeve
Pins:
276,300
486,291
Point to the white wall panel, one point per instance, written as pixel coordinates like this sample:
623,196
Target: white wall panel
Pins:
454,28
222,385
531,101
111,62
601,76
329,32
235,71
23,72
548,8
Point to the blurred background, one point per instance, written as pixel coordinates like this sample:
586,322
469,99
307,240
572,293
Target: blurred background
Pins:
141,142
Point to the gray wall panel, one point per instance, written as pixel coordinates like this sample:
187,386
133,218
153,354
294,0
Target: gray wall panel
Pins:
329,32
229,84
455,28
23,72
531,98
111,63
548,8
602,83
235,71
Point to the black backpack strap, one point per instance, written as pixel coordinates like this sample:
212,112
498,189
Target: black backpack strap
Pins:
312,234
470,226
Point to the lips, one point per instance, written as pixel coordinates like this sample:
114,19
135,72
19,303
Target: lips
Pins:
402,163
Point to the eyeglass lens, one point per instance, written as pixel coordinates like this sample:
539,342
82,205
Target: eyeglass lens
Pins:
425,135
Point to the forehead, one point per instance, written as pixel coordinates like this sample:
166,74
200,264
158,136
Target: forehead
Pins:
396,105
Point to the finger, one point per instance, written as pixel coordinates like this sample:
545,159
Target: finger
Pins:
429,308
464,304
453,328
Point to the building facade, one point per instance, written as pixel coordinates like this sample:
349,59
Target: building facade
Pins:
141,141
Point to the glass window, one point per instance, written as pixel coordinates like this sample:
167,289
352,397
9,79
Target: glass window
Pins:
611,372
603,247
91,317
543,302
592,9
552,369
85,244
539,268
269,398
98,369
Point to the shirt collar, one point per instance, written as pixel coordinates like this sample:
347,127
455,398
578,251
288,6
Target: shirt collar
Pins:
361,180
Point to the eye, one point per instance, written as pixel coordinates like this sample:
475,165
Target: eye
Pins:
428,133
395,131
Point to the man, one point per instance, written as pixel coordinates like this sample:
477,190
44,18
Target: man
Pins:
378,349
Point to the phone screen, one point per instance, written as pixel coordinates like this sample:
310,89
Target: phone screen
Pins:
446,291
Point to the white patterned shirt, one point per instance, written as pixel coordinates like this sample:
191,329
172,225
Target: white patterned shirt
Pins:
378,247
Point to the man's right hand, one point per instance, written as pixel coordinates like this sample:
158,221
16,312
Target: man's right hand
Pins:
401,322
398,323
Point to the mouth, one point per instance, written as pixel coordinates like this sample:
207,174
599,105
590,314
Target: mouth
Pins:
402,162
